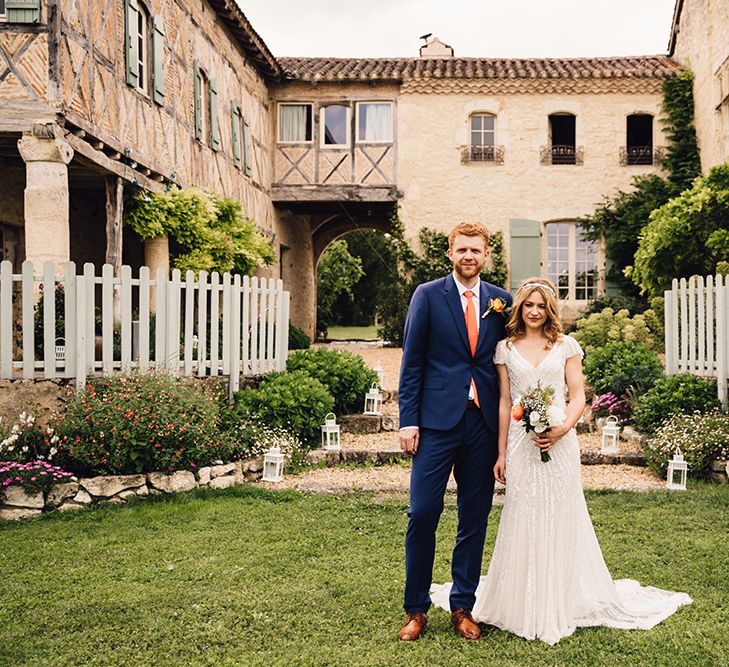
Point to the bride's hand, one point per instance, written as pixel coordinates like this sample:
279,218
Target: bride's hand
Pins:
546,439
500,470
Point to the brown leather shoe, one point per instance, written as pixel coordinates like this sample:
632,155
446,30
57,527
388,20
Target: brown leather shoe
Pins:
464,624
414,626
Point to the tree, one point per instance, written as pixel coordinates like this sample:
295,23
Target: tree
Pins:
337,273
688,235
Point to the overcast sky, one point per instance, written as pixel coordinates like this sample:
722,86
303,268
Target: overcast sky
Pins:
486,28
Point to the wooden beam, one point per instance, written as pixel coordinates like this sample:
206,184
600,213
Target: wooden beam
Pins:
114,211
334,193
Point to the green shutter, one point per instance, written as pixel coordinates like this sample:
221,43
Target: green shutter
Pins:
214,129
22,11
197,84
158,60
235,132
525,251
131,41
246,147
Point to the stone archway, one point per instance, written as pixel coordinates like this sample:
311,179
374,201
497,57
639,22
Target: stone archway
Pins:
306,230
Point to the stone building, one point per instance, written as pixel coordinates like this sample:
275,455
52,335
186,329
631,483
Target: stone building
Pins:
146,93
700,41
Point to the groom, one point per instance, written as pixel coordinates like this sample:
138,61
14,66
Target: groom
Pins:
448,400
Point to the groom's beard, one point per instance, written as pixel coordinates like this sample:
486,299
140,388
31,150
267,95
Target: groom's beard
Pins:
468,271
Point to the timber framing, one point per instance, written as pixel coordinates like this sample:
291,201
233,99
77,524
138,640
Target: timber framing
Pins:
334,193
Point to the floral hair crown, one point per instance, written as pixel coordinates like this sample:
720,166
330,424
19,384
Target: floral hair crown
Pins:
542,285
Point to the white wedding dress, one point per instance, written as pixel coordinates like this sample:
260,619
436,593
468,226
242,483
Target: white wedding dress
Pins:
547,574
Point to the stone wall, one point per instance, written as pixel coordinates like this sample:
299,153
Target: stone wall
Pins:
86,492
702,45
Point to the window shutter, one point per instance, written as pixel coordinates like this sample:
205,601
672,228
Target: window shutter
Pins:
235,132
158,61
214,129
198,102
131,41
22,11
525,251
246,147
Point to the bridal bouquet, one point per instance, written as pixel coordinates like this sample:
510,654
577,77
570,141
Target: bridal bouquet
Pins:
535,411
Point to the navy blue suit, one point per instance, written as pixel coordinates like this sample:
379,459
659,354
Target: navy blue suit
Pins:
437,367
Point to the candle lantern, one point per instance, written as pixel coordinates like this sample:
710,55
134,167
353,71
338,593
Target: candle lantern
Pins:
677,472
273,463
380,373
610,436
60,351
330,436
373,400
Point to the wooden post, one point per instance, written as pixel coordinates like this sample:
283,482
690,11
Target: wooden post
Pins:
114,210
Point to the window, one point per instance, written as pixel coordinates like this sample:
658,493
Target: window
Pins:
572,261
483,131
374,122
144,46
562,148
202,105
294,123
2,9
639,149
335,126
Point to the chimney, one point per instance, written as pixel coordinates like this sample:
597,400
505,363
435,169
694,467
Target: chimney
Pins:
435,49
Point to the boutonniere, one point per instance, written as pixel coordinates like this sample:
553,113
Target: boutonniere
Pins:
497,305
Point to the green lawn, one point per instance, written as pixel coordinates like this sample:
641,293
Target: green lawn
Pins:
252,577
352,333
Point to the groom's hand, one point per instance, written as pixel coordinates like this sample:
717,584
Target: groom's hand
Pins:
409,438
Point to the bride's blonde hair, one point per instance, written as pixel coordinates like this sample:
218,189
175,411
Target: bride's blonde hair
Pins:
515,327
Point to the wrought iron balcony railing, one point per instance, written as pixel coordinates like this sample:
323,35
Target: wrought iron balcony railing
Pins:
647,155
491,154
562,154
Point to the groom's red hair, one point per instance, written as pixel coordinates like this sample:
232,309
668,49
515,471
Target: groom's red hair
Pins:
468,229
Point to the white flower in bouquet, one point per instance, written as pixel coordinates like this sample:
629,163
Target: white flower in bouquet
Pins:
534,418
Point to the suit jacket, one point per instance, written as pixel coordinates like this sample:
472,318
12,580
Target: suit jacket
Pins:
437,365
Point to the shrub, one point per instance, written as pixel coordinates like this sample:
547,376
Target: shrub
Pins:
24,442
298,340
139,423
251,438
291,400
343,373
611,405
607,326
618,366
701,438
675,394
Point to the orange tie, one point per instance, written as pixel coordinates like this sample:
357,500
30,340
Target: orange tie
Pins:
472,329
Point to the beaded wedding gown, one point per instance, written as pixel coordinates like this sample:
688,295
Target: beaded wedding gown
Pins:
547,575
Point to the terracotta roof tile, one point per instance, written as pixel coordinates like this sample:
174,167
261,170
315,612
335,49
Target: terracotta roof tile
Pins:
401,69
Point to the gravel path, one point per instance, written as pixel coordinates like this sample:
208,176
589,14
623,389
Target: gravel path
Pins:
391,479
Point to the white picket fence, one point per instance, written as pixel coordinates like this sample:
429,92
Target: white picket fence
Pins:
697,329
207,325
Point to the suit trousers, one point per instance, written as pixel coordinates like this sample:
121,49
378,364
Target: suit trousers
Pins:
470,450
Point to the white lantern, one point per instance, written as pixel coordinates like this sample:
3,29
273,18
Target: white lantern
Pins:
330,438
380,373
677,471
610,435
373,400
273,463
60,350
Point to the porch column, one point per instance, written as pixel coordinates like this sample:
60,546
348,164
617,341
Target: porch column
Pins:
47,237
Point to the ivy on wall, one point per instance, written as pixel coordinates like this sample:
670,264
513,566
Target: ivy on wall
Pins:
207,232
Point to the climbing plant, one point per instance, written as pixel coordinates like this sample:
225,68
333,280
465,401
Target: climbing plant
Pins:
207,231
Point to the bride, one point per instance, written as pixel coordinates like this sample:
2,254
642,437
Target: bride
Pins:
547,574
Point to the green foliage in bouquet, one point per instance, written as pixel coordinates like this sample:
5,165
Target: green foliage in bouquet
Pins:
675,394
618,366
701,438
343,373
293,400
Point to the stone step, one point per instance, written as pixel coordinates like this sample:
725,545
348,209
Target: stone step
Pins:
389,455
